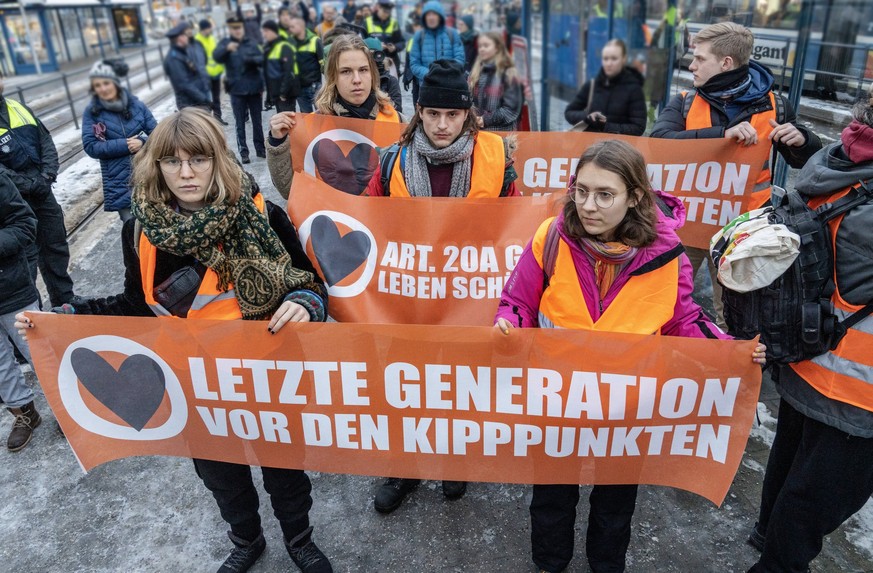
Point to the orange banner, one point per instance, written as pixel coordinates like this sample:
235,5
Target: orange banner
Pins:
713,177
408,401
413,261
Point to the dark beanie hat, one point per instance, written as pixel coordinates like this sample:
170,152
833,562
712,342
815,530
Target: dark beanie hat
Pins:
445,87
468,20
270,25
204,24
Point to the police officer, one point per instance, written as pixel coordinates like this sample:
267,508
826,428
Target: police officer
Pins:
29,158
187,78
243,59
280,69
213,69
310,53
386,29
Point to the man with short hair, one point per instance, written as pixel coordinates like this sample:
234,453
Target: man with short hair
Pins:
29,158
185,76
213,69
309,56
386,29
349,11
280,69
328,20
245,83
250,14
734,98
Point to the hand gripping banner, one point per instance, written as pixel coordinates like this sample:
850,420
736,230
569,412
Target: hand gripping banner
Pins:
713,177
455,403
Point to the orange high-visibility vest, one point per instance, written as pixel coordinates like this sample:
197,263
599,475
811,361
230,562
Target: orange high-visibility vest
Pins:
486,180
391,116
210,302
643,306
844,374
699,118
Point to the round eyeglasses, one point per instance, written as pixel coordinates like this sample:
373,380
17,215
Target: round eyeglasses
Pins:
172,165
603,199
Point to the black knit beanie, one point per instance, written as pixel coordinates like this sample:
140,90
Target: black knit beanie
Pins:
445,87
270,25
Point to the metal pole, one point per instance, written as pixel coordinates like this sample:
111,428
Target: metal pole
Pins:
145,65
29,38
544,68
70,100
780,173
610,6
670,31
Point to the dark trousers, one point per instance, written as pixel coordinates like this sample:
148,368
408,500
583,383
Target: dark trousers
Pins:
232,487
553,521
250,104
50,254
306,98
414,92
287,105
817,477
215,84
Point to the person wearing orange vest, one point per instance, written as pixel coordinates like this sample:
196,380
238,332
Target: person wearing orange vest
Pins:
200,219
610,261
442,152
734,99
820,470
351,89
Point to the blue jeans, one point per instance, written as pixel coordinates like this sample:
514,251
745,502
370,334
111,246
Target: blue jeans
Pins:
307,96
13,389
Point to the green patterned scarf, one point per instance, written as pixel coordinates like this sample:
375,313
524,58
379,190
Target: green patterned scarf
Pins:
235,241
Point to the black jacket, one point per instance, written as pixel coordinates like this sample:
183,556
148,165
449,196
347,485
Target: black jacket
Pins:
391,86
186,79
32,160
308,63
243,67
131,302
620,99
279,74
17,234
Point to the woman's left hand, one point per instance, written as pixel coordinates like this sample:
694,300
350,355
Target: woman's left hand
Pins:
134,144
288,312
759,356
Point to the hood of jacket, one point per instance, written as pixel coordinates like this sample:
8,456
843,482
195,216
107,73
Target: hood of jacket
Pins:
671,216
628,75
434,6
762,83
831,170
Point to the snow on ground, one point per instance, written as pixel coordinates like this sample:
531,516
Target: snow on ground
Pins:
859,529
764,430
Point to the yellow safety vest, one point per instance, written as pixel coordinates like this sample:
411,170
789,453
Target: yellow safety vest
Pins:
213,68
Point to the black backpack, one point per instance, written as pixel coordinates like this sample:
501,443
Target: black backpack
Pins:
793,314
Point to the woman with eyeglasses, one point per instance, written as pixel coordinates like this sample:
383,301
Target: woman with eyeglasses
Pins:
611,262
115,126
201,231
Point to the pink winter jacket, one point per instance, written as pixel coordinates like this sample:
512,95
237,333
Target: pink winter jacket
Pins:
519,303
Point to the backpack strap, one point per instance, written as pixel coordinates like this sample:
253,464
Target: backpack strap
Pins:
780,107
687,101
858,195
386,165
550,252
137,234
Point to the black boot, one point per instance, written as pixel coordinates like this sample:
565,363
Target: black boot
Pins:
391,494
244,554
454,489
306,554
756,539
26,420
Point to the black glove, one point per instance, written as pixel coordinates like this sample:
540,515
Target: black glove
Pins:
406,85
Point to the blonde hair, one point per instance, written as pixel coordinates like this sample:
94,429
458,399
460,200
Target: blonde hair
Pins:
502,60
728,39
195,132
327,95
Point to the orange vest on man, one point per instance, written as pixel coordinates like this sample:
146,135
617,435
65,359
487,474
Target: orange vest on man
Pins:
643,306
699,117
209,302
486,179
839,374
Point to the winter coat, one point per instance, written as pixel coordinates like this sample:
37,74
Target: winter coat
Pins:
828,172
429,45
471,48
186,79
110,146
521,301
243,74
279,76
17,235
308,61
197,52
498,103
620,99
32,160
671,121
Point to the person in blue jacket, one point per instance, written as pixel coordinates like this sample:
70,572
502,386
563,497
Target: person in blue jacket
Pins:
115,126
435,41
189,83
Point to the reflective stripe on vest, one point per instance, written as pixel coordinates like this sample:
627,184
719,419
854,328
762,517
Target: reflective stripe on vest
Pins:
844,374
486,180
274,65
310,46
372,28
699,117
644,305
20,142
213,68
209,302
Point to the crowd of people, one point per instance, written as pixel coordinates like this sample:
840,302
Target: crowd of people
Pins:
191,212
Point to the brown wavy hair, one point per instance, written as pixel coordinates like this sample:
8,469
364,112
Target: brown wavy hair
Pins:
197,133
327,95
639,226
